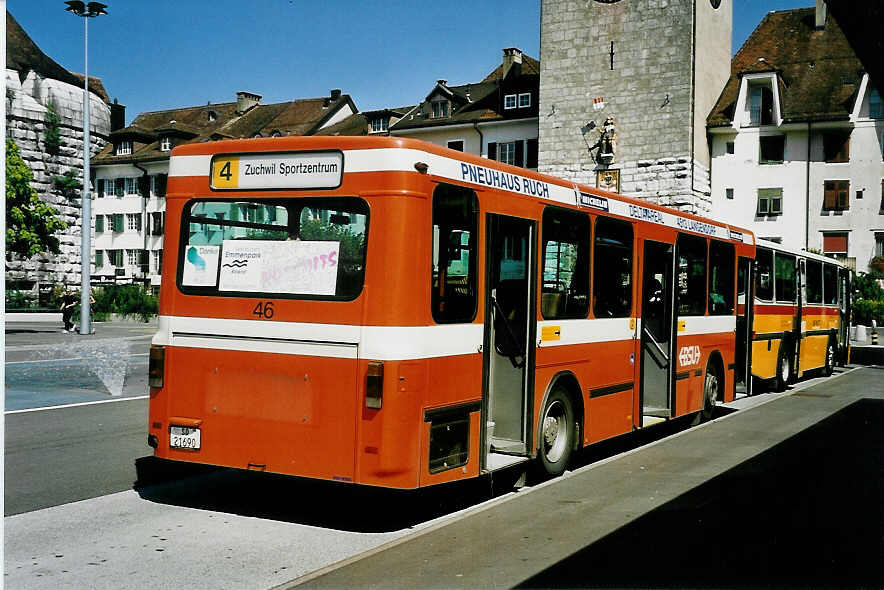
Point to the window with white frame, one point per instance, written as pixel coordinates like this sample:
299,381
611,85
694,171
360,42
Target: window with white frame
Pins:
771,149
379,124
124,148
131,186
760,104
157,261
509,101
524,100
115,257
133,221
879,243
770,201
133,257
165,144
506,152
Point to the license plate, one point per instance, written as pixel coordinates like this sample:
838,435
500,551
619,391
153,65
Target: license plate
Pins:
184,437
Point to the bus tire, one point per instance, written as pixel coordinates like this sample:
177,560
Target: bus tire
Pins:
710,395
556,433
830,358
784,369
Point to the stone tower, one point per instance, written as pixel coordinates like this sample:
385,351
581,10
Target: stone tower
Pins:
625,88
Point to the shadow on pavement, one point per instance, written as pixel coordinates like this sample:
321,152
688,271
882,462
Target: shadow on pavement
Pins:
807,512
344,506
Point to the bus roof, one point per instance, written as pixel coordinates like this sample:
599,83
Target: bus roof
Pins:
762,243
371,154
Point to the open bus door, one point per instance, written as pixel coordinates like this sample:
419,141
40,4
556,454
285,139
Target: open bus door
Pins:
844,292
657,331
743,353
510,329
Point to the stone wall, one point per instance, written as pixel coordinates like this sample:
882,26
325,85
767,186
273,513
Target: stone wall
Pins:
26,109
648,92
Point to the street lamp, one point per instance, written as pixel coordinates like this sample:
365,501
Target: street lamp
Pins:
87,11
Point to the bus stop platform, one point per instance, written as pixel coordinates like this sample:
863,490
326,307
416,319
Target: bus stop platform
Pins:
786,492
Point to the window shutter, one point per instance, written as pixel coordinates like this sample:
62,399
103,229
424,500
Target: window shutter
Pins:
144,185
99,258
99,223
835,243
161,185
138,222
829,193
520,153
118,222
100,187
492,150
531,161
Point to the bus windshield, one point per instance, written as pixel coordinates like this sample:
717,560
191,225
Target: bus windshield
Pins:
311,248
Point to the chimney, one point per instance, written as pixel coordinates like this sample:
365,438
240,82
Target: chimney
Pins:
117,115
512,57
245,101
820,14
441,82
335,94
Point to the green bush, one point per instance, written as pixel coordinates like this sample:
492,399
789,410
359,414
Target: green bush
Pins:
20,300
865,310
128,300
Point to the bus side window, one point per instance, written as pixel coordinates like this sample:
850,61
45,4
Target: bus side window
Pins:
814,272
721,278
784,277
612,269
565,291
764,274
455,238
830,284
691,275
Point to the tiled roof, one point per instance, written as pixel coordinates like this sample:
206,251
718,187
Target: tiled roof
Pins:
529,66
212,121
23,56
818,72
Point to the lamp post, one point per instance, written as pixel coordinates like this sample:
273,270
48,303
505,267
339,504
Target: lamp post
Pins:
87,11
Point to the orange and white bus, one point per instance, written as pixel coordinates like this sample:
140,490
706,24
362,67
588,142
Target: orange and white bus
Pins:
801,312
392,313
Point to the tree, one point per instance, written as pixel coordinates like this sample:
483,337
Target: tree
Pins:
52,135
31,224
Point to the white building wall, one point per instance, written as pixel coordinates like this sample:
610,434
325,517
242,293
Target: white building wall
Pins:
497,131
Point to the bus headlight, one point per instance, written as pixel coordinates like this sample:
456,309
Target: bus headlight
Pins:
155,366
374,385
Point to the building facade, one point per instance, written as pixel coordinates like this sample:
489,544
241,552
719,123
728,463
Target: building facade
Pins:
625,88
797,140
495,118
132,170
42,95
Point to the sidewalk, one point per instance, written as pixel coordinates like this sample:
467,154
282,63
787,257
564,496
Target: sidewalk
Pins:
27,331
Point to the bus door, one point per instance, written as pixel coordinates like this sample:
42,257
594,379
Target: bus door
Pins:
656,331
844,314
800,322
509,336
743,353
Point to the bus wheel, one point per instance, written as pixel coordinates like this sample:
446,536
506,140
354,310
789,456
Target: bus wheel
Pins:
556,433
784,369
830,358
710,394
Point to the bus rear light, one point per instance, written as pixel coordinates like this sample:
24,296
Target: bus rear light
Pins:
374,385
156,366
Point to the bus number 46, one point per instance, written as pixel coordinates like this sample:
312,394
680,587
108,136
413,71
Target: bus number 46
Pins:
264,310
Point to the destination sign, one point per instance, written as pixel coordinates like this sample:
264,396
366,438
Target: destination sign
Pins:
267,171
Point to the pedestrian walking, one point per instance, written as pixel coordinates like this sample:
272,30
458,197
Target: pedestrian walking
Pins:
68,305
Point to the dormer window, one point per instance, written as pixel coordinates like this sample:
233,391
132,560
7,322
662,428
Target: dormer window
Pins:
275,133
165,144
760,105
379,124
524,100
509,101
212,116
440,109
124,148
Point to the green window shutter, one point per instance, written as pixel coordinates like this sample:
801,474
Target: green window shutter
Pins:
99,258
138,222
99,224
118,222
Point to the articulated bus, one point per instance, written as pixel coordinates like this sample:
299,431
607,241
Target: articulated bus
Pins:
388,312
801,314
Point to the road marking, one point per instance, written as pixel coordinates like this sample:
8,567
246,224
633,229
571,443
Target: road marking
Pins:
101,401
77,358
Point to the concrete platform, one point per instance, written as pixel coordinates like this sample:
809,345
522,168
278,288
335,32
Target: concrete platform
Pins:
783,493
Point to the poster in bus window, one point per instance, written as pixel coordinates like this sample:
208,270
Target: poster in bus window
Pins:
296,267
201,266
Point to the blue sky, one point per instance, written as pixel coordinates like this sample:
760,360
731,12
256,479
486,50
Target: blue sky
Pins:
161,54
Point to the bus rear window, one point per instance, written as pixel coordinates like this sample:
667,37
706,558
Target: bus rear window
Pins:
311,248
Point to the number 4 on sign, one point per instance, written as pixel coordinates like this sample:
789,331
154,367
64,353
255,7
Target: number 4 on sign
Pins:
225,171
